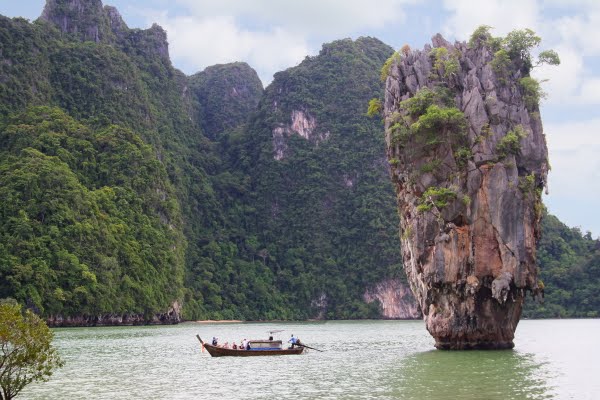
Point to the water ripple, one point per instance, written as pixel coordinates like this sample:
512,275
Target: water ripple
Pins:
362,360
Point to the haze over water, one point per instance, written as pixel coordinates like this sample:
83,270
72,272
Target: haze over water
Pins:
552,359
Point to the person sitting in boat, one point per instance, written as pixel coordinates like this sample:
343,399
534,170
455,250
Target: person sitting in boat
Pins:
215,341
234,346
245,345
293,341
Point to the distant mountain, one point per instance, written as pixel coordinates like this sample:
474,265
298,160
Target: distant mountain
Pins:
569,264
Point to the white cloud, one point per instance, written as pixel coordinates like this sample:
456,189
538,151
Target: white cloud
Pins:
314,17
581,30
590,91
572,3
502,15
574,181
574,148
573,81
564,80
202,42
269,35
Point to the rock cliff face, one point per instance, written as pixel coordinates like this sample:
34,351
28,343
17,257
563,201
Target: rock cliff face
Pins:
469,161
396,299
171,316
89,20
300,123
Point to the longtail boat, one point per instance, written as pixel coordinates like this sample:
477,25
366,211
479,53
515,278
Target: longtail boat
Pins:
257,348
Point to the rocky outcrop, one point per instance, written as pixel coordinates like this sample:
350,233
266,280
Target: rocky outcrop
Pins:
469,161
302,124
89,20
171,316
396,299
85,19
320,305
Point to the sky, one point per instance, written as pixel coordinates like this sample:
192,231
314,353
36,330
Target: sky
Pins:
272,35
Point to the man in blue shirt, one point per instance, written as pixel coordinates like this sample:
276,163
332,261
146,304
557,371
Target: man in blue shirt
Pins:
292,341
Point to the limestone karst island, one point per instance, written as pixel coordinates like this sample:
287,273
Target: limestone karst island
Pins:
469,162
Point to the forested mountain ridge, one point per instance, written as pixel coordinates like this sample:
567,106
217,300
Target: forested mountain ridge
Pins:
132,193
321,181
126,108
104,78
305,189
88,223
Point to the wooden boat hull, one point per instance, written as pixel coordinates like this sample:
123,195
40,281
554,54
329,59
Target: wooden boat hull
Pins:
215,351
222,352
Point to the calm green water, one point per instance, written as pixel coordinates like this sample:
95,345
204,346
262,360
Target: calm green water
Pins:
553,359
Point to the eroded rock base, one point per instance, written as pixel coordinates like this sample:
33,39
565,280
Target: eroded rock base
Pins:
456,345
475,322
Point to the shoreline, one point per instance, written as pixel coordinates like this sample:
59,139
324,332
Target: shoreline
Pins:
217,321
234,321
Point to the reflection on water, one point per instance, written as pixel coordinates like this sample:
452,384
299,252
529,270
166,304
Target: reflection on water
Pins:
479,374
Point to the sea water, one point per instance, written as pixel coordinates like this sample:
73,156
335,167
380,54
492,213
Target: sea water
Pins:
552,359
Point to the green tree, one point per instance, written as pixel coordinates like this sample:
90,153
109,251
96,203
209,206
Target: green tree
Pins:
480,35
549,57
26,352
516,46
520,43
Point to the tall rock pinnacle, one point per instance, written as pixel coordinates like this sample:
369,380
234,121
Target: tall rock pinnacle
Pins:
469,161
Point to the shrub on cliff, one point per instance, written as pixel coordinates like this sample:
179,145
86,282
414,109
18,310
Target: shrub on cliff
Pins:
445,63
427,120
385,70
375,107
532,92
435,198
511,142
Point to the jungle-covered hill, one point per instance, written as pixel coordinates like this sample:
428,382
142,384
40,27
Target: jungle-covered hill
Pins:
129,189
